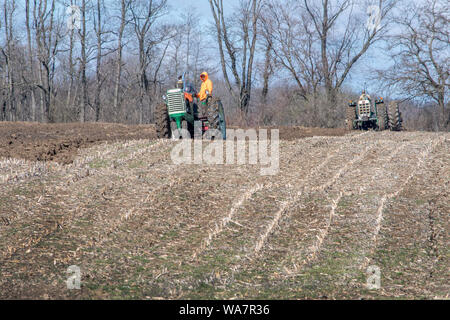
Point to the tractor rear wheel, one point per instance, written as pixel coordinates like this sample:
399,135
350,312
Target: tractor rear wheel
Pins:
394,116
162,120
349,117
386,117
216,116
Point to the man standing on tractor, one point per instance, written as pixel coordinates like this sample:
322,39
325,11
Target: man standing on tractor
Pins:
205,91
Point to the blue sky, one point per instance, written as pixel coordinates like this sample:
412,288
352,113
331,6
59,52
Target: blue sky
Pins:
202,5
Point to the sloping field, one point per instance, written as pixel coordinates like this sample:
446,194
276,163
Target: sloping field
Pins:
139,226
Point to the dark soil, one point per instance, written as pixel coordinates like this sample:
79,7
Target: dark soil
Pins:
60,142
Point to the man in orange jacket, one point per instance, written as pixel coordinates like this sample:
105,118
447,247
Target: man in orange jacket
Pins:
206,88
205,91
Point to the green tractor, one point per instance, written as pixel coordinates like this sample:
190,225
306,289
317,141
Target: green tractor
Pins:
180,111
364,115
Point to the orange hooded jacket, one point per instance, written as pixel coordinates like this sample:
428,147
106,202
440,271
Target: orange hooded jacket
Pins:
207,85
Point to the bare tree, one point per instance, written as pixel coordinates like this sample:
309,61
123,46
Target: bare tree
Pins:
83,63
124,5
2,88
30,60
344,38
178,55
101,34
144,16
194,43
47,40
268,69
72,89
8,13
294,44
238,45
98,78
420,53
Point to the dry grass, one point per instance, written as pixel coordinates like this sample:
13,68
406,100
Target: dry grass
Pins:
142,227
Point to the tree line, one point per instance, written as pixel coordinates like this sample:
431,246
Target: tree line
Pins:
273,62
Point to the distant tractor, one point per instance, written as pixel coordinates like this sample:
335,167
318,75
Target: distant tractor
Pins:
180,111
364,115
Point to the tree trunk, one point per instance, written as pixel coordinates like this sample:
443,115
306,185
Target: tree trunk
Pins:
324,48
11,103
30,61
143,87
119,56
69,103
267,72
84,88
98,88
443,122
